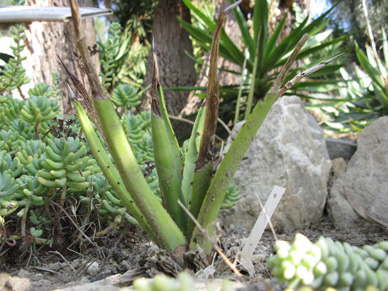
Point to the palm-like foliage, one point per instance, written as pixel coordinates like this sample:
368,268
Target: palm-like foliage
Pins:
263,53
363,96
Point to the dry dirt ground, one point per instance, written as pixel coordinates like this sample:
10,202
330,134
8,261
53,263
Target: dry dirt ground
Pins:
132,255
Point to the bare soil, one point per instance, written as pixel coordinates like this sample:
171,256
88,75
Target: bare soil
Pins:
132,254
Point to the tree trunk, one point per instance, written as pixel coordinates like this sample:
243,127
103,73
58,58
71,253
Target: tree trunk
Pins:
46,40
175,67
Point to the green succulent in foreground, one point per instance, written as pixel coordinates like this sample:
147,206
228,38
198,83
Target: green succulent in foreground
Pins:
330,264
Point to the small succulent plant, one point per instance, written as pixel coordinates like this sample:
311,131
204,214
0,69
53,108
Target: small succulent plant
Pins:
330,264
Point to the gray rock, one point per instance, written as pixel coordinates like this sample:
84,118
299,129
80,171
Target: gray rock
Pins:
365,179
288,151
339,148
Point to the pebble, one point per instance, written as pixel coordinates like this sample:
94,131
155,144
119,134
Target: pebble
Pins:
23,274
93,268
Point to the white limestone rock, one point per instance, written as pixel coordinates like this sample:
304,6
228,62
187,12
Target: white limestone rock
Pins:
288,151
366,179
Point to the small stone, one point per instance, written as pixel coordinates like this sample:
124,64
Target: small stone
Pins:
75,263
126,264
93,268
23,273
54,266
338,167
41,283
39,276
339,148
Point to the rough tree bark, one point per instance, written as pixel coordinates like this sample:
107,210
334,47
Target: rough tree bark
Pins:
171,41
46,40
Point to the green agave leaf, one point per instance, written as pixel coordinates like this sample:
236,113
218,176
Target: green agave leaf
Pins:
318,27
325,104
200,16
381,96
196,32
260,22
227,44
316,88
109,170
317,83
291,40
309,51
203,37
167,153
123,49
275,36
373,73
228,49
246,35
260,19
191,155
385,47
284,47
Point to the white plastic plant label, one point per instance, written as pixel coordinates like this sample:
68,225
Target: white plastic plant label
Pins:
259,227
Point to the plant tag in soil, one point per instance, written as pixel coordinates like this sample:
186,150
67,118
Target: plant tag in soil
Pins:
259,227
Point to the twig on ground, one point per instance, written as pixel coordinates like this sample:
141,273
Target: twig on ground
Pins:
46,270
75,252
29,257
59,254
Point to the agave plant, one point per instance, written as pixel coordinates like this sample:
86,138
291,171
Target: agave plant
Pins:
192,182
262,54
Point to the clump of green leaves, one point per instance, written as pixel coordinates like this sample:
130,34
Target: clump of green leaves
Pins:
55,87
56,165
111,51
53,166
123,58
364,94
261,56
13,75
125,96
364,97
